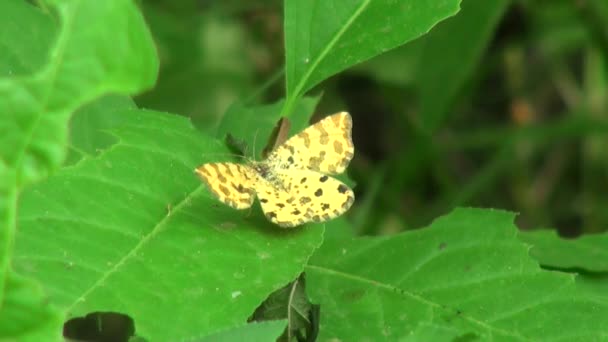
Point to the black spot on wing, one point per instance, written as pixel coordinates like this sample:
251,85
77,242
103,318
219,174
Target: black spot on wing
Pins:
224,190
240,188
304,200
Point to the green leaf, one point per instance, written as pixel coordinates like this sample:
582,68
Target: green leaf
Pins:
291,303
18,59
588,252
26,314
101,47
90,126
467,274
595,284
134,231
463,38
437,332
263,331
323,38
206,62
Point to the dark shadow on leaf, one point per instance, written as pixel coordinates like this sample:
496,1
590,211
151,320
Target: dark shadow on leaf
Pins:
291,302
100,327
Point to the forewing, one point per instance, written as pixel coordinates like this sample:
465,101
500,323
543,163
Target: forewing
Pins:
325,147
296,197
233,184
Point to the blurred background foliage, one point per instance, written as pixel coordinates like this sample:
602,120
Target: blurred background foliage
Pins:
504,105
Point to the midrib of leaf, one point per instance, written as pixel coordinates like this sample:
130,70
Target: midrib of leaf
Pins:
13,188
291,294
392,289
296,94
289,305
9,234
156,230
52,72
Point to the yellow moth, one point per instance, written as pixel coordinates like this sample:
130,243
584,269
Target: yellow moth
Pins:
292,183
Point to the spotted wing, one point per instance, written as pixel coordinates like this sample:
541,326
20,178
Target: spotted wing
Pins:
233,184
326,147
296,197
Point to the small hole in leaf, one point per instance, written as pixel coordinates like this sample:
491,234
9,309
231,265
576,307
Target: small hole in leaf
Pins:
100,327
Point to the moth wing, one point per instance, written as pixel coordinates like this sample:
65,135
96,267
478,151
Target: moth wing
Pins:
302,196
233,184
325,147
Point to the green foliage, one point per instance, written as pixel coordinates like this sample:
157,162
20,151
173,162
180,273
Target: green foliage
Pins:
350,33
586,252
467,272
264,331
102,216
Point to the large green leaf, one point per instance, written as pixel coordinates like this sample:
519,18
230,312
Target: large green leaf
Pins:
90,126
102,47
466,275
323,38
18,59
133,230
26,314
206,62
588,252
46,73
450,54
263,331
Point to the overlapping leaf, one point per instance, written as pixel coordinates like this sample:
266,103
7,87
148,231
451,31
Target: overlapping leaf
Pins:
135,231
466,276
325,37
589,252
100,47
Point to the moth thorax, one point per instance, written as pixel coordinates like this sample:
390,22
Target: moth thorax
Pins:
266,171
263,170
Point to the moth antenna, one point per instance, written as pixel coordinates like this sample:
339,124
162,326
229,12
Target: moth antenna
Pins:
255,138
225,155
